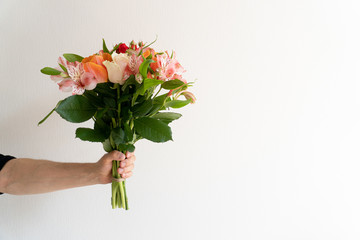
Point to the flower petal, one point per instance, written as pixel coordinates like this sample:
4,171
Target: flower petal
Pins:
188,95
77,89
66,85
98,71
56,78
88,81
116,72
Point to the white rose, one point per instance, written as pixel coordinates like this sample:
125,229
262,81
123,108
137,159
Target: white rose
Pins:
116,68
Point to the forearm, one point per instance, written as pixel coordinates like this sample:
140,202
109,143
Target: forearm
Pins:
29,176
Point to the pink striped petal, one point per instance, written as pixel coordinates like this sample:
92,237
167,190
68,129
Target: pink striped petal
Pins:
88,80
56,78
66,85
77,89
188,95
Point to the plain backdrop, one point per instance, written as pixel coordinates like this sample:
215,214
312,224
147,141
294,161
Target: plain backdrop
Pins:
270,150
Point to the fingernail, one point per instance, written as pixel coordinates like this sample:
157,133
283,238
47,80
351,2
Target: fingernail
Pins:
121,170
123,175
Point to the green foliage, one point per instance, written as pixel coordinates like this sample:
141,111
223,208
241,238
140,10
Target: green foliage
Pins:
104,89
129,134
102,128
143,69
88,134
177,103
142,109
63,67
122,114
152,129
50,71
148,83
161,99
110,102
76,109
107,146
167,117
127,147
72,57
47,116
172,84
118,135
94,98
105,49
130,81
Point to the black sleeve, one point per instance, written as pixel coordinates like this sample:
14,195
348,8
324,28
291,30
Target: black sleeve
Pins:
3,160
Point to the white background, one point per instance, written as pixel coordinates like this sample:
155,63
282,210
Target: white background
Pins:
269,151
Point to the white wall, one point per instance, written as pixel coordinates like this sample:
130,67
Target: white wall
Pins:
269,151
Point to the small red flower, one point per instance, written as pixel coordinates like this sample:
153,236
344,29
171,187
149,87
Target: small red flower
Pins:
133,46
122,48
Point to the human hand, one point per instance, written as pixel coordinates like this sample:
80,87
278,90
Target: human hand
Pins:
104,165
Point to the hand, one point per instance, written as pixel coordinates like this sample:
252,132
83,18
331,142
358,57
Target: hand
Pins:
104,165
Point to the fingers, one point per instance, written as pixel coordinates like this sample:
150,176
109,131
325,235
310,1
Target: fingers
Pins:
127,162
115,155
126,172
129,154
126,166
126,175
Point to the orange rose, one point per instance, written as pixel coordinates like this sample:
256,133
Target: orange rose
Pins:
94,64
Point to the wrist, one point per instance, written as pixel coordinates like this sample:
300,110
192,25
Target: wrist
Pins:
94,173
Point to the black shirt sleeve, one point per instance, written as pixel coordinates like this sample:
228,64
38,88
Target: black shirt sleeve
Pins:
3,160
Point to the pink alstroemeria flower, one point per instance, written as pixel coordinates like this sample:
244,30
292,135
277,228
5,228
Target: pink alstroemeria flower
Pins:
189,95
133,67
167,67
75,80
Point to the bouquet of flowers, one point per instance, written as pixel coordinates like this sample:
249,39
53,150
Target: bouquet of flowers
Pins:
126,91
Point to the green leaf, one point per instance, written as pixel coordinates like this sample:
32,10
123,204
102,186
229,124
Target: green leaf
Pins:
72,57
109,102
50,71
101,112
148,83
129,135
133,100
46,117
126,147
152,129
156,107
144,67
142,109
94,98
63,68
88,134
105,90
102,128
161,99
76,109
167,117
118,135
105,49
177,103
130,81
125,98
107,145
172,84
